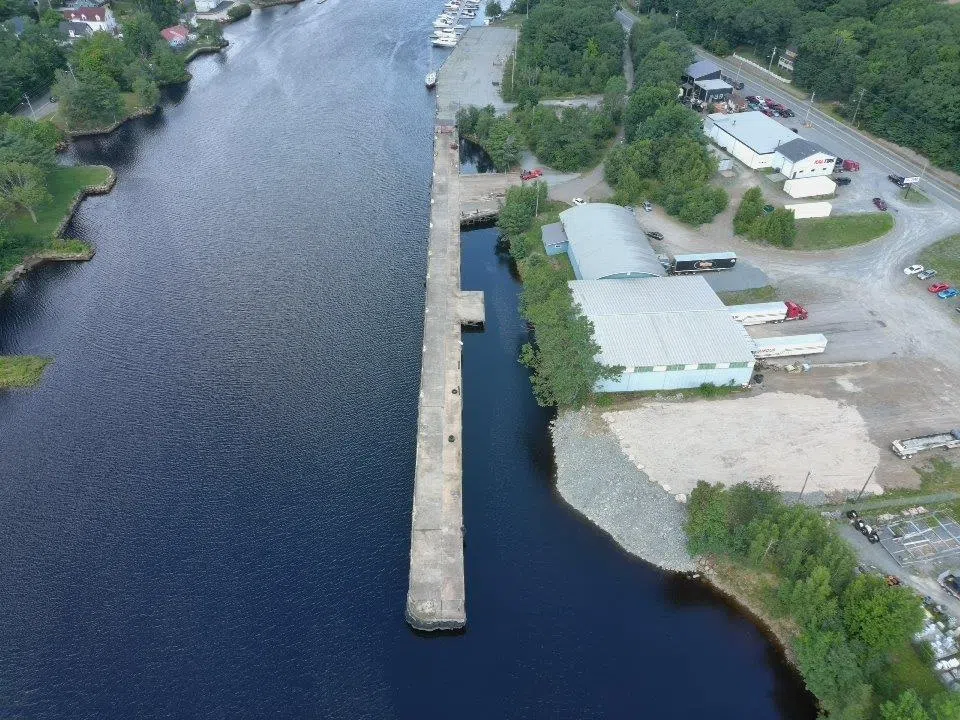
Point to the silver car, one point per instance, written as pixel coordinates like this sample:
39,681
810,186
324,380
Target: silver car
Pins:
926,274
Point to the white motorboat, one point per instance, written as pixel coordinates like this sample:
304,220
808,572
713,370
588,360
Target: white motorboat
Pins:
431,80
444,22
468,14
445,42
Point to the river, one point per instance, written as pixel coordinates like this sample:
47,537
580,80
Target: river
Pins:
205,505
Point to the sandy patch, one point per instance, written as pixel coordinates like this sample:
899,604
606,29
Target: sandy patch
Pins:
772,436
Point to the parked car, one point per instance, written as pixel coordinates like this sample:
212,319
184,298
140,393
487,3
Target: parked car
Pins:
842,180
926,274
948,293
787,112
913,270
655,235
896,180
579,201
753,106
852,514
647,206
880,203
737,85
769,102
767,111
754,99
938,287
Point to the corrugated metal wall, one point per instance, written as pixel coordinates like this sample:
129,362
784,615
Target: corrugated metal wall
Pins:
675,379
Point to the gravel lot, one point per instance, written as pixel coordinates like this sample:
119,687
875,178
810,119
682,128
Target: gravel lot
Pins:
772,436
597,479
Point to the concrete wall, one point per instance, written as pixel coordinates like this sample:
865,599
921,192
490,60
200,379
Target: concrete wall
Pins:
675,379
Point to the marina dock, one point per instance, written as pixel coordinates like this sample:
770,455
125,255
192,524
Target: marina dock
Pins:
436,596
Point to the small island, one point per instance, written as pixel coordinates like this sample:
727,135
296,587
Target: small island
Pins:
21,371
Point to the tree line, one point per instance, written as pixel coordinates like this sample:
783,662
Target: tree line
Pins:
562,354
565,47
893,63
27,157
853,628
665,157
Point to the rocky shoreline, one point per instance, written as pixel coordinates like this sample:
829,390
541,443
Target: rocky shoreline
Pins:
596,478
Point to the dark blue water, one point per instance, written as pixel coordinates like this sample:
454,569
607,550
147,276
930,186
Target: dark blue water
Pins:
205,505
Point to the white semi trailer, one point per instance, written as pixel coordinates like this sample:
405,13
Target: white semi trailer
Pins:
908,448
788,345
771,312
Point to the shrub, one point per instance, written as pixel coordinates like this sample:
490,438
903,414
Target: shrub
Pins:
238,12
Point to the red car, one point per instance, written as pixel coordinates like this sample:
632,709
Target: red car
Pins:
769,102
938,287
767,111
879,202
531,174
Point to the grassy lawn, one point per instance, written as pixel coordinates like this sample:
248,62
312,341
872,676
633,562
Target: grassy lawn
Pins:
767,293
907,670
28,237
915,197
945,257
841,231
510,20
20,371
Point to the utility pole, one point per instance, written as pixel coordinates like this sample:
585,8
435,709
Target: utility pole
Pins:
865,483
739,68
772,55
30,105
804,486
70,68
806,119
677,18
513,69
854,121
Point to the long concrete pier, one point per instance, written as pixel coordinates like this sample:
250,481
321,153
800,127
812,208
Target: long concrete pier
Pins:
436,596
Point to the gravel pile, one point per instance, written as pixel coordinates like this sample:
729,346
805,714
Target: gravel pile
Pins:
597,478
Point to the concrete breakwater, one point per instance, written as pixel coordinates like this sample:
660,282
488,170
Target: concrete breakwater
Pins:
436,595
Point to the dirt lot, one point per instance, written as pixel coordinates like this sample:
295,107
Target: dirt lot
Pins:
773,436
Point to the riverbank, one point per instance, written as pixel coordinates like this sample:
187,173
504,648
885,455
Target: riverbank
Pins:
36,243
596,478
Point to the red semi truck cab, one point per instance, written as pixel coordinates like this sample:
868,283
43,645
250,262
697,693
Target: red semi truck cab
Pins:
795,311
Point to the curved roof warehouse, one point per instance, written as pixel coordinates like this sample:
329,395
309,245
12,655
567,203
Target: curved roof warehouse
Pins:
602,241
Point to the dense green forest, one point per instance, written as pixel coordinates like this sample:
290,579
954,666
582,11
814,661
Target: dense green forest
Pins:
562,359
854,645
566,47
667,159
901,56
28,64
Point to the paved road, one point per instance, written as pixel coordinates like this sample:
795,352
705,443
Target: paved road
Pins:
42,107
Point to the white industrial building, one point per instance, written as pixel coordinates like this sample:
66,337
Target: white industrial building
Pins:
666,332
751,137
801,158
603,241
802,211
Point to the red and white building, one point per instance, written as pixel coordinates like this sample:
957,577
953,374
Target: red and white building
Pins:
98,19
176,35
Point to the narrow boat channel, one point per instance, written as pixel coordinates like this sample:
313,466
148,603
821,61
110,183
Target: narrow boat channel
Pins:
205,504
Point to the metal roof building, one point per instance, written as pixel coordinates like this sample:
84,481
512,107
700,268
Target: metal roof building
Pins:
667,333
604,241
751,137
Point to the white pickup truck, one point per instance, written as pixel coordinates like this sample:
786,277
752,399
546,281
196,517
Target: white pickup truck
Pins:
908,448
